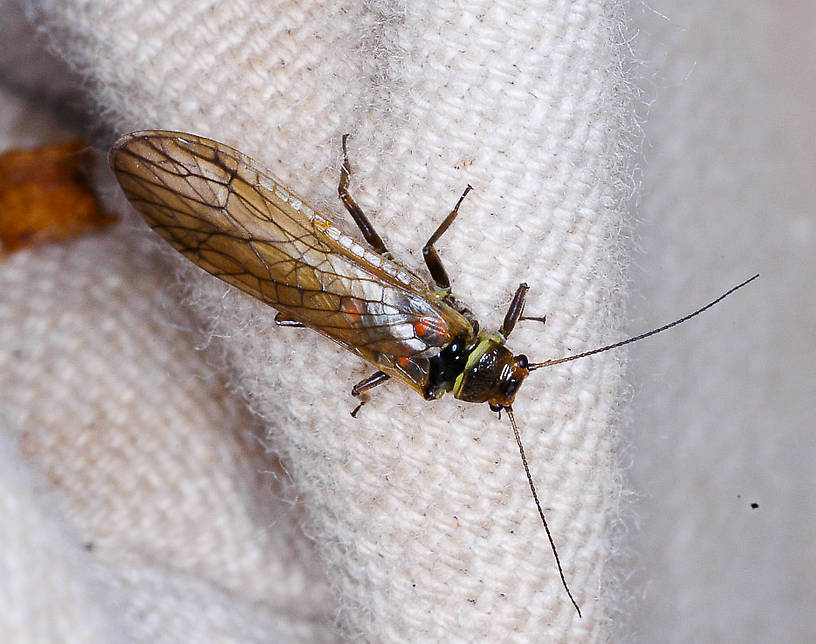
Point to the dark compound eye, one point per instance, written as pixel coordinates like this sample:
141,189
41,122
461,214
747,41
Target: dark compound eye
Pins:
495,407
521,361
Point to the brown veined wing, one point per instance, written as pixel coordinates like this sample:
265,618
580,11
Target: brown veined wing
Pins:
231,217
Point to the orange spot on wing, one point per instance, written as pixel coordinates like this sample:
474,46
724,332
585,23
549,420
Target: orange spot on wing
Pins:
428,325
352,309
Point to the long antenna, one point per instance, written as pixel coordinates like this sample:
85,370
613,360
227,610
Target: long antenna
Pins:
509,411
549,363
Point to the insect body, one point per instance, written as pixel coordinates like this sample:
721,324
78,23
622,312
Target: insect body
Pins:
232,218
236,221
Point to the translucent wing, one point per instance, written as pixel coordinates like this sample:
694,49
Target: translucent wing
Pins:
232,218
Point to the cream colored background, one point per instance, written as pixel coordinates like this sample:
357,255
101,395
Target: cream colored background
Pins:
138,502
724,410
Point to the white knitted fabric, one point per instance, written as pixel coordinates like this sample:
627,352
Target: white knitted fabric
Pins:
137,502
419,512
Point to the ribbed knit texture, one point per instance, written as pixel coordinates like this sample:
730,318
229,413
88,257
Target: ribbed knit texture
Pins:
420,512
142,502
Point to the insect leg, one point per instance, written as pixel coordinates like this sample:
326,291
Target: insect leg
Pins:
282,320
516,309
355,211
376,378
432,260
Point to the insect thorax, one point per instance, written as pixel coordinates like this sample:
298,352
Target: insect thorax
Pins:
447,365
491,373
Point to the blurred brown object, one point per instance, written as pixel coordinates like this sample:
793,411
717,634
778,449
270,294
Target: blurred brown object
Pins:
46,195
